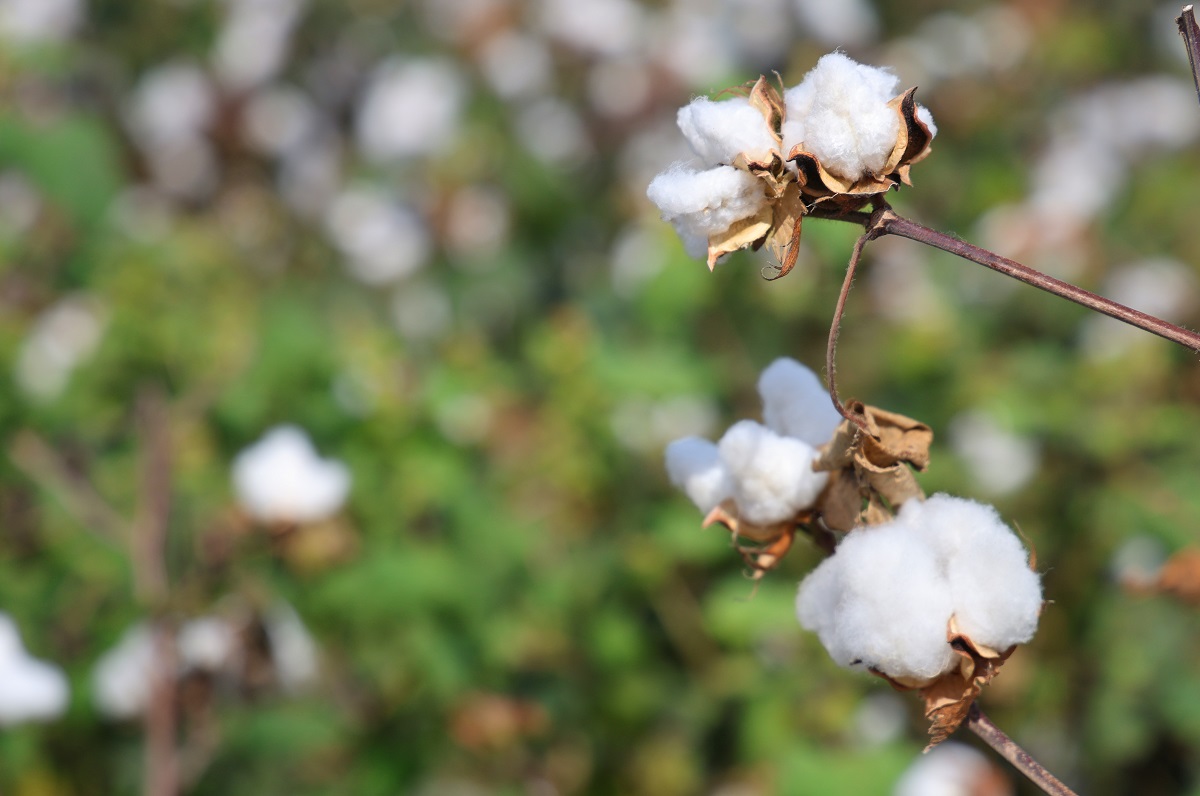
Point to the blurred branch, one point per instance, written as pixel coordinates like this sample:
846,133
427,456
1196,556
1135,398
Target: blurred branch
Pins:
161,761
1191,39
45,467
996,738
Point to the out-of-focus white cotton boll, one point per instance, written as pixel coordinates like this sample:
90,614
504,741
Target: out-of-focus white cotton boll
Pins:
844,23
121,677
925,116
620,87
410,108
383,240
796,403
704,203
953,769
646,425
421,311
694,465
278,119
293,650
252,45
30,690
599,27
477,221
62,337
998,461
1138,560
39,21
881,718
718,131
516,65
997,597
772,475
847,122
879,602
693,44
208,643
20,203
281,478
553,132
170,103
310,176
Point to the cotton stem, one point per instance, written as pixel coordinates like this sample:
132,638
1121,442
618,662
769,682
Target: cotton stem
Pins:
1191,40
996,738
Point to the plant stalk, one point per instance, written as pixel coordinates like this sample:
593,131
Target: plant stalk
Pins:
996,738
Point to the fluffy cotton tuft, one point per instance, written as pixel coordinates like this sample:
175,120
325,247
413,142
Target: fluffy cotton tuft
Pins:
282,479
30,690
846,122
796,403
884,600
704,203
694,465
997,597
771,475
718,131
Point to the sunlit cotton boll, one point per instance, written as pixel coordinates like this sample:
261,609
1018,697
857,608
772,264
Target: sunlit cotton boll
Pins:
796,403
772,475
61,338
694,465
409,108
719,131
704,203
39,21
121,677
293,650
282,479
953,769
382,239
171,102
840,113
30,690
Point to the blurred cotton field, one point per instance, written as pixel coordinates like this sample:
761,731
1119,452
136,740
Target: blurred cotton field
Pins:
343,348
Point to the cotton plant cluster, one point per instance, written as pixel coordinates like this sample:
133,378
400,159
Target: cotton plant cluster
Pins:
893,595
762,473
764,159
282,479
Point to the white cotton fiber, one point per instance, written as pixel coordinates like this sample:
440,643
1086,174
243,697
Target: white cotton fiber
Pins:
884,599
772,475
719,131
694,466
879,603
843,106
796,403
704,203
997,597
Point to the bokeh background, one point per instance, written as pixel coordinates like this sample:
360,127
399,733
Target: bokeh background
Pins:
417,230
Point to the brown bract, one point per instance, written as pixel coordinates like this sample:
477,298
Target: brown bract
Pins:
793,192
871,467
1178,578
949,697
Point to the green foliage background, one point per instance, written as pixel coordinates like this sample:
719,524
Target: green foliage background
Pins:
539,557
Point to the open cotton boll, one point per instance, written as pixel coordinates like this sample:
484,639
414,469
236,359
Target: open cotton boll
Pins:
719,131
771,475
880,603
843,106
694,465
796,403
282,479
121,679
997,597
30,690
705,203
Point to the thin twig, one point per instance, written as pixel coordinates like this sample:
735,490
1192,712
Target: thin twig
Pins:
1191,40
996,738
896,225
874,230
161,760
45,466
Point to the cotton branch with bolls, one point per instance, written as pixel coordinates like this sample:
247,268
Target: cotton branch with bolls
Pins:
934,594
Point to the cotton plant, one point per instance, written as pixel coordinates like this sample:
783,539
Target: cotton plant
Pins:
933,594
282,480
769,156
31,690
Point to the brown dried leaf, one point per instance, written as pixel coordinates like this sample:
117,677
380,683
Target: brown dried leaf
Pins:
949,698
747,232
1180,576
773,541
768,101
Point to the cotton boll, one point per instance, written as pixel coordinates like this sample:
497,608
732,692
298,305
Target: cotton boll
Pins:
281,479
704,203
796,403
208,643
410,108
694,465
121,679
953,769
772,475
30,690
848,124
997,597
880,603
719,131
293,650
